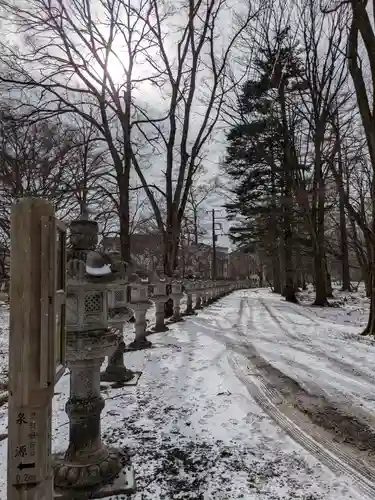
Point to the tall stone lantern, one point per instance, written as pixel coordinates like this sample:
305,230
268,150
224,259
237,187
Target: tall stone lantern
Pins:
159,297
176,295
190,290
119,313
140,304
88,465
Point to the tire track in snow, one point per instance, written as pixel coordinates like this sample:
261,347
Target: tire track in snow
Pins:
359,385
315,438
282,320
319,446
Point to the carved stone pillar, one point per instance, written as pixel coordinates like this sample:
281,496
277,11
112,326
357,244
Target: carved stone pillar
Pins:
198,296
119,313
116,370
160,325
176,296
140,305
204,294
189,290
159,298
87,462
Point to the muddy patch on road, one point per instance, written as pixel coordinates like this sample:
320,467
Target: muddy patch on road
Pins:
347,424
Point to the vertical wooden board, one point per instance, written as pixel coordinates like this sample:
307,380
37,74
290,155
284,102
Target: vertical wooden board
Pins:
19,320
29,403
45,303
60,296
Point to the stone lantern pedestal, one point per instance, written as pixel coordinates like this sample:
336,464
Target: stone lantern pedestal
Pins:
189,311
210,294
198,296
159,302
176,296
159,298
116,370
206,293
140,305
87,462
118,314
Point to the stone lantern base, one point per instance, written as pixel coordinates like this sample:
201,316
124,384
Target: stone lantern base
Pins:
189,311
140,341
139,344
160,326
116,371
159,329
119,375
76,475
122,483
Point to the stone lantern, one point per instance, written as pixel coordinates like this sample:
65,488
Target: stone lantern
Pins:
140,304
210,290
88,467
189,289
176,295
159,297
204,289
198,295
118,314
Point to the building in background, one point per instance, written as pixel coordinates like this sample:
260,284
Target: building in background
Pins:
193,260
242,265
196,260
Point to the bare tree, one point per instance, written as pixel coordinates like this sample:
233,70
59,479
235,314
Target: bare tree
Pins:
80,57
361,62
197,76
200,192
320,90
34,161
80,46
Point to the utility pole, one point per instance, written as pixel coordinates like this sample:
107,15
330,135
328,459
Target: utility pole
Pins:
215,225
214,238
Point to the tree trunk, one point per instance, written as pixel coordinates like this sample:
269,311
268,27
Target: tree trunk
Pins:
260,274
276,276
289,290
171,246
196,236
276,272
281,264
361,23
320,281
370,328
345,271
319,221
123,183
327,275
367,280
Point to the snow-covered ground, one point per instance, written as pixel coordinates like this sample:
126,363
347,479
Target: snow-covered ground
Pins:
319,345
192,428
349,308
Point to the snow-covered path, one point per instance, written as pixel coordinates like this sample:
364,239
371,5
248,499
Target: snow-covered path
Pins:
311,349
191,426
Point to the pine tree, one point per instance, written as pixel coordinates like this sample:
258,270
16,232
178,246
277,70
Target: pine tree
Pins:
261,159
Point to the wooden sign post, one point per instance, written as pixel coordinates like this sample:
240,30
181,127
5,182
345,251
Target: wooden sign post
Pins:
36,345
